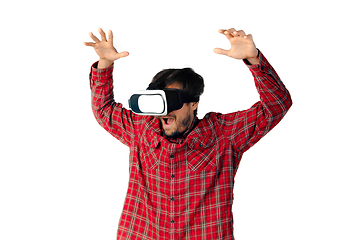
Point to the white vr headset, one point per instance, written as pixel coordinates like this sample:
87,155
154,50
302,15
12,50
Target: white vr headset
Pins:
159,102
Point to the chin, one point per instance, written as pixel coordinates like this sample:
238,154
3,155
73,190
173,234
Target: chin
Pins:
173,134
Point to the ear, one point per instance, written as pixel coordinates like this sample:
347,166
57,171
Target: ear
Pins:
194,105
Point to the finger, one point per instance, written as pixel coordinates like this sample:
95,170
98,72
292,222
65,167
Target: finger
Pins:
111,37
221,51
122,54
249,36
228,33
226,30
239,33
102,34
93,37
89,44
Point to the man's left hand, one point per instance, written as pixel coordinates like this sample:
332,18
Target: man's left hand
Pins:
242,46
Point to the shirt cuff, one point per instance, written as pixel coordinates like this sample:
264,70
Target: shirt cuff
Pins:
103,74
94,68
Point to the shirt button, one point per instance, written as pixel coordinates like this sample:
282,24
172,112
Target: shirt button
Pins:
172,176
172,221
172,199
171,156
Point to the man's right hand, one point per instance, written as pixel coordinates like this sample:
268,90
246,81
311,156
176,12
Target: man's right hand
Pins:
105,49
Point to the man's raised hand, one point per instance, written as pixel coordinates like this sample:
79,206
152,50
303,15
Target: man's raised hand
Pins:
105,49
242,46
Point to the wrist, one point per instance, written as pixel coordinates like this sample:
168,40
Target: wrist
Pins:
254,60
104,63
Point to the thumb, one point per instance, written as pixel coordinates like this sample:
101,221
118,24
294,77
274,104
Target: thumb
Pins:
122,54
221,51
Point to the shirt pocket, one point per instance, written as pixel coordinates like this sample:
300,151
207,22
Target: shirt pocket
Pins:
201,154
150,152
149,158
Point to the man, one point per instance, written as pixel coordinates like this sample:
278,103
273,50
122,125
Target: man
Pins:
182,168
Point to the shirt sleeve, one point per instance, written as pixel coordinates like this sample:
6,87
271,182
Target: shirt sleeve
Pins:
245,128
112,116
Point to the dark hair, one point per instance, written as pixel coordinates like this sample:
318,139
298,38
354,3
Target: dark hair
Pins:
191,82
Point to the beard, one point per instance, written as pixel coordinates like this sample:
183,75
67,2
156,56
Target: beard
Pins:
175,133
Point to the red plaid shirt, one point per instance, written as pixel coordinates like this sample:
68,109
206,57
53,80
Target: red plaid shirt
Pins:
184,189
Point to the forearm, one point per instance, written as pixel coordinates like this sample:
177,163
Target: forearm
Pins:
101,84
245,128
274,96
102,98
112,116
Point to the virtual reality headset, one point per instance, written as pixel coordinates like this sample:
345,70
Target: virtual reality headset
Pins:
159,102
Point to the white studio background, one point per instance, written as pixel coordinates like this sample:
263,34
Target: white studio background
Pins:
63,177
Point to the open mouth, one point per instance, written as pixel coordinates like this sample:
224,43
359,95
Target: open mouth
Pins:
168,121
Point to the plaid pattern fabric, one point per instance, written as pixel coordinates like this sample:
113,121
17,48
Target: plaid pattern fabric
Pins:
184,189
